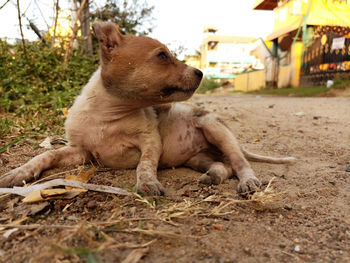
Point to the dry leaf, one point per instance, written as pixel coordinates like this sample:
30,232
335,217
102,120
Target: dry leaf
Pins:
47,193
19,221
46,143
136,255
65,112
29,209
73,193
83,176
40,195
9,232
34,196
49,141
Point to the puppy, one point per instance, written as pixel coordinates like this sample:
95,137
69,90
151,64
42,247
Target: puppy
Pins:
123,119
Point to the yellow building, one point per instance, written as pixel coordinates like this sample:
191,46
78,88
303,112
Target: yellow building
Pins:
309,38
193,60
64,23
224,56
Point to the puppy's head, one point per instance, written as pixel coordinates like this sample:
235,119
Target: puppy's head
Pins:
142,69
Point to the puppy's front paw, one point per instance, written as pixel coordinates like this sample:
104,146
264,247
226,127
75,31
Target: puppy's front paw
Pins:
150,187
210,178
16,177
248,184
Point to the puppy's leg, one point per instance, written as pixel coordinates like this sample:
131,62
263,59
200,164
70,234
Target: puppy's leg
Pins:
146,171
67,155
218,134
214,172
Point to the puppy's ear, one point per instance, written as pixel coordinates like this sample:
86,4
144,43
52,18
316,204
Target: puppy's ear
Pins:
109,38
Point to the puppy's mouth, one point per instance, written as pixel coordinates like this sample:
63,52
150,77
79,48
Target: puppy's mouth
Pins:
169,90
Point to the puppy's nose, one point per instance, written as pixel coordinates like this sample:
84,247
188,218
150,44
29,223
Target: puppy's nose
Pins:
198,73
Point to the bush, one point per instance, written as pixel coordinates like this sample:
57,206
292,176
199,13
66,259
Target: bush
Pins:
36,89
208,85
341,80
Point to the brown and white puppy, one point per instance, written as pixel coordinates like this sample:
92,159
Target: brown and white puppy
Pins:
123,119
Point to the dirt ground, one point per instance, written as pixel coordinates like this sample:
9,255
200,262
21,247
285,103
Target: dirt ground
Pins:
303,216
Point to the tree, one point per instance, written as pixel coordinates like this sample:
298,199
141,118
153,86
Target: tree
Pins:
74,33
133,17
85,28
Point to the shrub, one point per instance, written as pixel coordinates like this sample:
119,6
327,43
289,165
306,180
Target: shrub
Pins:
36,89
208,85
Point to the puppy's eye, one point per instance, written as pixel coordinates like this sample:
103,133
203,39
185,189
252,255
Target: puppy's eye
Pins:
162,56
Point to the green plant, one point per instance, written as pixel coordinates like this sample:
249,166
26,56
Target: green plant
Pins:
295,92
36,90
341,81
133,17
208,85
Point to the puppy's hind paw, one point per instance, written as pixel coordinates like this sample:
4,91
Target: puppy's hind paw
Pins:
248,185
16,177
149,188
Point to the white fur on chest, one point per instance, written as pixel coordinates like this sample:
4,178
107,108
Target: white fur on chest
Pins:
109,130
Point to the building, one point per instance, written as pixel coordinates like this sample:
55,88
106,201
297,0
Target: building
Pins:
310,40
223,57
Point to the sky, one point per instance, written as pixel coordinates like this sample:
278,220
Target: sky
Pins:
176,23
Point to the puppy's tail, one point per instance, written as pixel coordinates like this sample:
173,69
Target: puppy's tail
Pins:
267,159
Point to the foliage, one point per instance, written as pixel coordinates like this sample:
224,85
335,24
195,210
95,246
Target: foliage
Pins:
295,92
36,90
341,81
208,85
132,16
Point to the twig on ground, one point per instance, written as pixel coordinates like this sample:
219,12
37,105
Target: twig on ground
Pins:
24,191
150,232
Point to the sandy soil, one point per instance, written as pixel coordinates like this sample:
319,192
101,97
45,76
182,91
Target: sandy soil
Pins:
306,217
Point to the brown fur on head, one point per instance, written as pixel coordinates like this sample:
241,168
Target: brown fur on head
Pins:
141,69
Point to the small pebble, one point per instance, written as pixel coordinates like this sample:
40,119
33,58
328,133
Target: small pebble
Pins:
288,207
72,217
297,248
299,114
248,251
347,169
218,227
132,211
91,204
185,193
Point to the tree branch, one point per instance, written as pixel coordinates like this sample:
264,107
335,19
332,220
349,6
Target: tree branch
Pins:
54,30
74,34
1,7
20,27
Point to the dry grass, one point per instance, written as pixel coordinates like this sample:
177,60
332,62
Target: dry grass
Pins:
216,205
98,236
